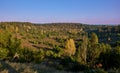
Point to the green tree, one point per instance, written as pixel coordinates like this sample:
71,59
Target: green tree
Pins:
109,57
4,36
93,53
93,50
13,45
9,42
81,51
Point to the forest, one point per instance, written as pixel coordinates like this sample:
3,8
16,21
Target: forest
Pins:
59,48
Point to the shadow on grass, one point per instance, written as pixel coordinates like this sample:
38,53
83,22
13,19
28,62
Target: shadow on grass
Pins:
6,66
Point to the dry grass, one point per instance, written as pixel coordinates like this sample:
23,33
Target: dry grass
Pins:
10,67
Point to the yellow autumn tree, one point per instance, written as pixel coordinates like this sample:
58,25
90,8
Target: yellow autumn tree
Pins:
94,38
70,47
16,29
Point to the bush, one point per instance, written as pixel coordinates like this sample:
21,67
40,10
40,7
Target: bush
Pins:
58,52
96,71
49,53
70,64
38,56
110,59
26,55
4,37
1,67
3,53
13,46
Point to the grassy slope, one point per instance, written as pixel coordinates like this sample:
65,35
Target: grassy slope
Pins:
10,67
44,36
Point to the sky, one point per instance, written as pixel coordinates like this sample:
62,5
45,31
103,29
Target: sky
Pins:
63,11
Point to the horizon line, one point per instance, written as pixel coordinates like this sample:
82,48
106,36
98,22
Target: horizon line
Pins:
63,22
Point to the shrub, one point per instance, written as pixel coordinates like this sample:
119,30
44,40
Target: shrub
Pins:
70,64
110,59
49,53
38,56
13,46
57,51
1,67
26,55
3,53
95,71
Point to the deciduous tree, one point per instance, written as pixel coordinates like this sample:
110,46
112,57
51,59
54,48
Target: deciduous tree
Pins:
70,48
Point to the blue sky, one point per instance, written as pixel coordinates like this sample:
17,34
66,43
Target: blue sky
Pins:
51,11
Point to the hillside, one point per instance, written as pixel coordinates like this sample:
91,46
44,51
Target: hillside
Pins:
46,35
69,47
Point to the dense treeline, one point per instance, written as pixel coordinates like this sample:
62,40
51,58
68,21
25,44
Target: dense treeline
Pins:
71,47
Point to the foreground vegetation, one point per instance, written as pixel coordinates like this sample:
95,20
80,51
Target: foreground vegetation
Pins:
65,47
